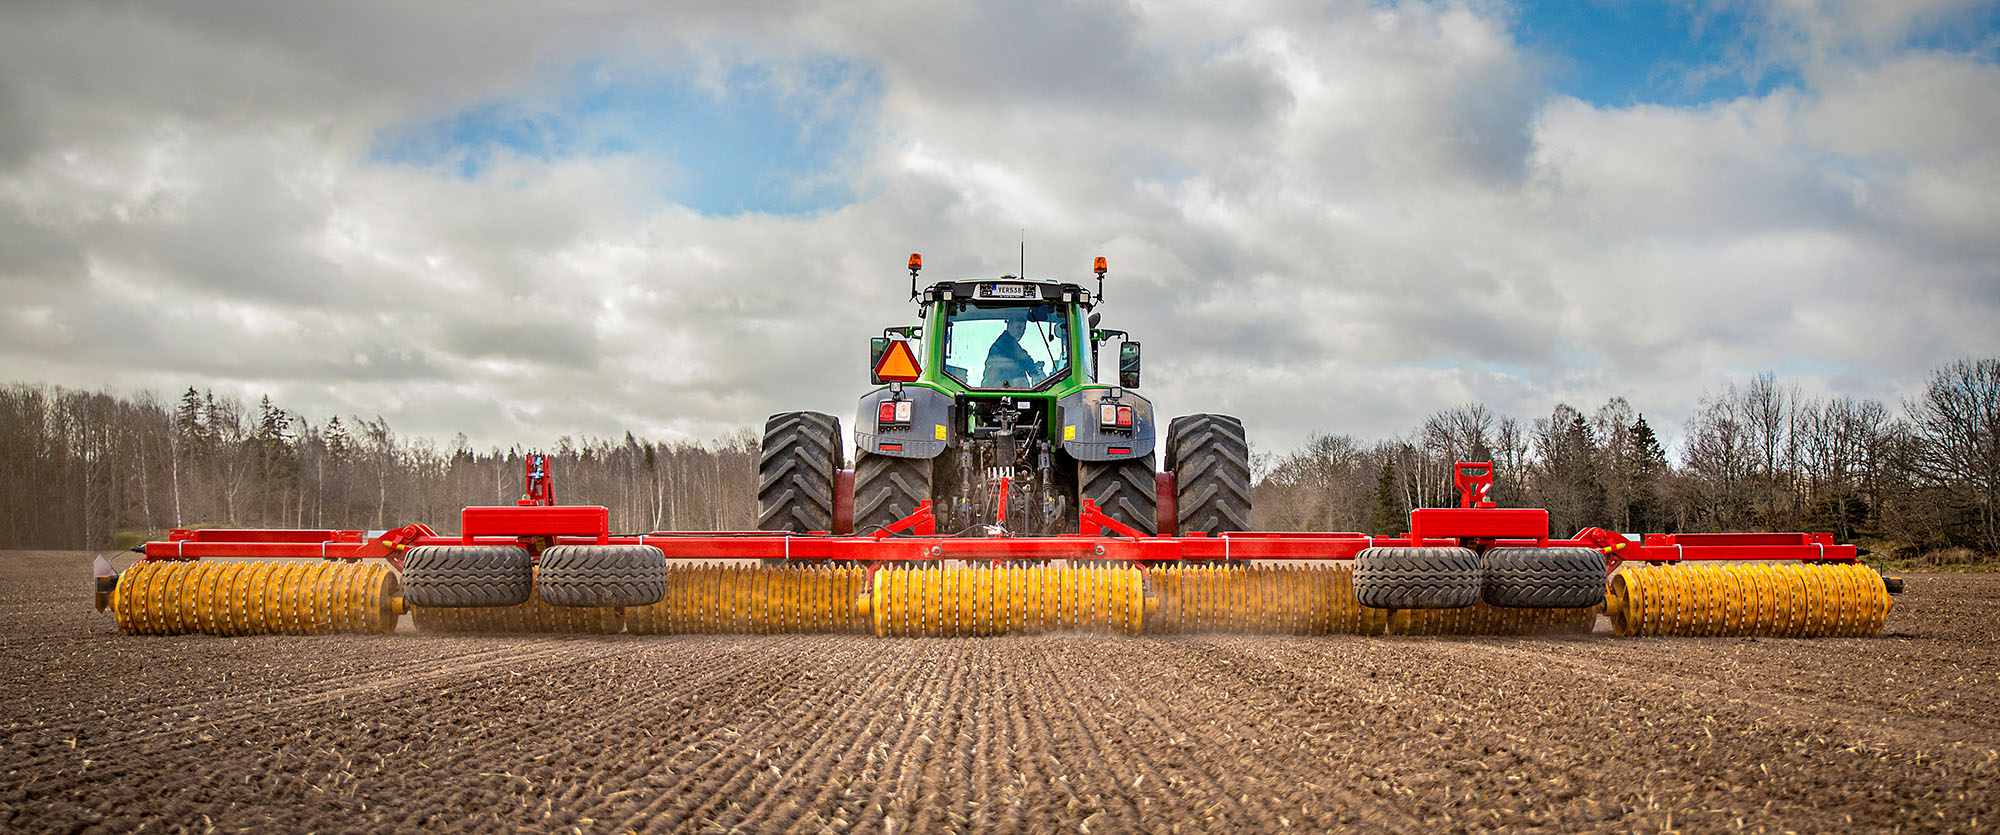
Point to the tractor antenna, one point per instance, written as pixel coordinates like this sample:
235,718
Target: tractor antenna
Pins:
1024,253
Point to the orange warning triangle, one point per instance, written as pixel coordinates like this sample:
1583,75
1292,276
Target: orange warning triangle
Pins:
898,364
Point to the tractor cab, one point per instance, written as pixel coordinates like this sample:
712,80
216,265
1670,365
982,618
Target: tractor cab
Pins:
1018,344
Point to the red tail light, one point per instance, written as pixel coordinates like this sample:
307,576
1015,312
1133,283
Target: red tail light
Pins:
890,412
1124,417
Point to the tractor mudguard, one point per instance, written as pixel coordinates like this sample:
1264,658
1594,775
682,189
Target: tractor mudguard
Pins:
929,430
1085,440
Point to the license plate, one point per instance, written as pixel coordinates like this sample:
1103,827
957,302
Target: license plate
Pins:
1007,291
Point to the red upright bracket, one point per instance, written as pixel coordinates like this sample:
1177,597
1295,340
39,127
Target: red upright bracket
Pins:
1475,480
540,489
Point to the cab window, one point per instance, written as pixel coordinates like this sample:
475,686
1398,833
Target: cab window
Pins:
1006,346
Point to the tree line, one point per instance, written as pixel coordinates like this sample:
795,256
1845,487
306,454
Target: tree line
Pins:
1756,457
94,470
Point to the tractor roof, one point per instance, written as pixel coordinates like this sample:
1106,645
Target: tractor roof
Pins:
1007,289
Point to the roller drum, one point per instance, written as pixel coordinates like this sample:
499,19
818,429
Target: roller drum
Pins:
294,597
1782,600
705,600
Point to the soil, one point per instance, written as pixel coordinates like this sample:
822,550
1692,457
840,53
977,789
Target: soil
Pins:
102,731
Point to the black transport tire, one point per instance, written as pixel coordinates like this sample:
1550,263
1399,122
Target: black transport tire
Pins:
1416,578
795,474
1210,459
467,575
1543,578
886,489
1124,490
602,575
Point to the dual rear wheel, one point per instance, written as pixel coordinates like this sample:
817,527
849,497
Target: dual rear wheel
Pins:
482,576
1451,578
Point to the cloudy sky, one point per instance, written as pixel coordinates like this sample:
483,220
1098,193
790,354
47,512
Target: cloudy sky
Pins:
525,221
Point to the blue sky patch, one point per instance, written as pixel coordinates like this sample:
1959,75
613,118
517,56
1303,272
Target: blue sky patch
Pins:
1619,53
779,140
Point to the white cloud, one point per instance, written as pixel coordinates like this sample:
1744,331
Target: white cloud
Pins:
1331,218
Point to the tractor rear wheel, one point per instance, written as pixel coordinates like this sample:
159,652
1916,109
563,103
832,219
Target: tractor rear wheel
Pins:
886,489
1209,456
795,474
467,575
602,575
1123,490
1416,578
1543,578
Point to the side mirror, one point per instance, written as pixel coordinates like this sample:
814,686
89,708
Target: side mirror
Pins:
1095,318
877,346
1128,365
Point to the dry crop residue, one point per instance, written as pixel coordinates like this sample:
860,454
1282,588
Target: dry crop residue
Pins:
1235,732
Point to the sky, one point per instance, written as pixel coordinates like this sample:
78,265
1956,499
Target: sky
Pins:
524,221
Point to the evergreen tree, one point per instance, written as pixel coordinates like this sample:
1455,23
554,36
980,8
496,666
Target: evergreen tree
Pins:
1648,462
1388,522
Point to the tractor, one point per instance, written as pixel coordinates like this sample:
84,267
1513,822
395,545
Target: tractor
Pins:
998,411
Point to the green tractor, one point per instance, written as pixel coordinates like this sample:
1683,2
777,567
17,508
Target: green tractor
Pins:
996,410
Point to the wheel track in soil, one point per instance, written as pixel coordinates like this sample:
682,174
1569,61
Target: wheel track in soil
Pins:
881,800
724,751
1298,738
813,743
1135,760
1177,713
922,805
858,732
868,745
897,799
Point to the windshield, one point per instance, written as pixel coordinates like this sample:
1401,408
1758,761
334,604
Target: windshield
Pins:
1006,346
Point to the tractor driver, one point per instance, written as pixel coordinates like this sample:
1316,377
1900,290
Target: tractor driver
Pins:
1007,363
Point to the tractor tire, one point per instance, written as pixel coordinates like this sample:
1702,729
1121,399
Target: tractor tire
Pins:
1542,578
602,575
887,489
795,474
1123,490
464,576
1416,578
1209,456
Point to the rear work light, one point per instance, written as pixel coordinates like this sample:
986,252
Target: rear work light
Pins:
893,412
1112,416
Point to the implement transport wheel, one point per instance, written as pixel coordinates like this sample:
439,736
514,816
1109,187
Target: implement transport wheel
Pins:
602,575
1416,578
464,576
886,489
1123,490
1542,578
795,475
1209,456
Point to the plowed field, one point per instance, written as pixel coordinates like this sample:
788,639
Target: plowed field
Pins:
1101,734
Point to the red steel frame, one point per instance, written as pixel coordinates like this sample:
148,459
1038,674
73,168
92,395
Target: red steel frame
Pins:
537,522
